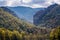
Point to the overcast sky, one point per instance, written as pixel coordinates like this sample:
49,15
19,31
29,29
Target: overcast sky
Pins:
28,3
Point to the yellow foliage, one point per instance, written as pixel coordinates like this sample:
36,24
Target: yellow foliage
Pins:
55,34
4,34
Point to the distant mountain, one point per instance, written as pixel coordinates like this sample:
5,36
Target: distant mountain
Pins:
25,12
10,11
50,18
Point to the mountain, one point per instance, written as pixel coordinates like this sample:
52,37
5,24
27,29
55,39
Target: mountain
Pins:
25,12
7,20
14,28
50,18
38,16
10,11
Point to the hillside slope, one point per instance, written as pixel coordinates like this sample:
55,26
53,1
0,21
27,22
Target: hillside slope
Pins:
50,18
26,29
7,20
10,11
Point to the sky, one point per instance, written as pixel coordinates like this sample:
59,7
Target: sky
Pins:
28,3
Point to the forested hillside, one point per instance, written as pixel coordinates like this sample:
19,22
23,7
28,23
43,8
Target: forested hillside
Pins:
28,31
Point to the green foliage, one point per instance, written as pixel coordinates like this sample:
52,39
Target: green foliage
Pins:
55,34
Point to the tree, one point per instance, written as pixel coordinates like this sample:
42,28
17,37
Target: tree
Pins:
55,34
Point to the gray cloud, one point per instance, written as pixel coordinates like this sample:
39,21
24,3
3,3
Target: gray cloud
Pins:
32,3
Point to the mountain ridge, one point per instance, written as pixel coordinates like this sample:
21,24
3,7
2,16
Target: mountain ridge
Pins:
10,11
50,18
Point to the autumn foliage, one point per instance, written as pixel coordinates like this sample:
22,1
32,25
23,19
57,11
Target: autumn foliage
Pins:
55,34
6,34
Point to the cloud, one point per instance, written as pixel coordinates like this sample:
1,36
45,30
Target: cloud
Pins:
13,3
28,3
57,1
36,6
